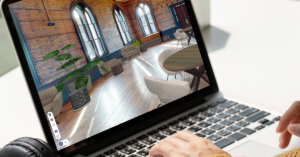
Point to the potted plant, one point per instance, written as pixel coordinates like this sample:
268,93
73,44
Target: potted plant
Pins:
137,43
80,97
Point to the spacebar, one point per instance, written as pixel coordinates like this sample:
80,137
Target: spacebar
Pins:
257,116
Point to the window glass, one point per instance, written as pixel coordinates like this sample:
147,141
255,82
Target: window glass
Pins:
122,26
146,19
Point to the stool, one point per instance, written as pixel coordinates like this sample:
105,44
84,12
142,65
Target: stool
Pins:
117,69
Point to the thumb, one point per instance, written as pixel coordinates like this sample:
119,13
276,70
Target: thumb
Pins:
294,129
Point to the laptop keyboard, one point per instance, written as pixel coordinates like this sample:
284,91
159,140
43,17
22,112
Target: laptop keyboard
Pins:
222,122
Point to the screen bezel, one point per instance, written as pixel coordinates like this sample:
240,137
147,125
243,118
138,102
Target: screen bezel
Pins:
113,135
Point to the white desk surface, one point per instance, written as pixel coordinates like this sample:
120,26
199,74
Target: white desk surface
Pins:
258,63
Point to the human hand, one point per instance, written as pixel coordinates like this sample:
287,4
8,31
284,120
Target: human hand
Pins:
185,144
289,125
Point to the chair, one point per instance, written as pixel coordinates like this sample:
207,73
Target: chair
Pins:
181,37
177,31
167,91
51,100
164,56
108,65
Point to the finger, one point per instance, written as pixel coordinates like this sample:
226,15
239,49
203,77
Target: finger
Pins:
285,139
291,114
176,142
185,136
162,148
294,129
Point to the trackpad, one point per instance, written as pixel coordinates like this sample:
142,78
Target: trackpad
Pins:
254,149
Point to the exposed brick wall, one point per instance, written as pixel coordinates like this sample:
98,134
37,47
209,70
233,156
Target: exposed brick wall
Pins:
42,38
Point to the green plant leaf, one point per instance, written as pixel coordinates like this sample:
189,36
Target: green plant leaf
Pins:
60,87
68,47
104,69
81,81
75,59
51,55
70,76
90,65
137,43
66,65
63,57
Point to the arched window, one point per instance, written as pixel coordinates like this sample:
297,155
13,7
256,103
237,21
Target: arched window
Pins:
146,18
122,25
88,30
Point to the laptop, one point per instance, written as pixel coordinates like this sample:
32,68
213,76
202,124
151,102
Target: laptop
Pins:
99,92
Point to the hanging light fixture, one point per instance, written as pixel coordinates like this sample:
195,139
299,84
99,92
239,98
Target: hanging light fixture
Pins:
50,23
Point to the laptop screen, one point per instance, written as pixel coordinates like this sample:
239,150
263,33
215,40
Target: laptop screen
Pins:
98,64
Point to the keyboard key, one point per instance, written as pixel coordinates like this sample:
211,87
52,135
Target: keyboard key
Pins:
194,129
120,147
163,127
198,118
168,132
133,155
213,104
148,141
178,127
217,127
223,115
193,113
224,142
204,124
141,137
117,155
207,131
269,123
183,118
207,114
236,136
173,123
228,104
203,109
127,151
236,118
242,123
232,111
188,123
224,132
216,109
131,142
214,137
263,121
150,147
248,112
158,136
152,132
277,118
233,128
143,152
247,131
138,146
241,107
257,116
200,135
227,122
109,152
221,100
214,119
259,127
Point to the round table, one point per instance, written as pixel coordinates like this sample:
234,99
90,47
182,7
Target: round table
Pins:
188,59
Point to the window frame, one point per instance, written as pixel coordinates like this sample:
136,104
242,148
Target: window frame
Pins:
89,32
129,32
147,20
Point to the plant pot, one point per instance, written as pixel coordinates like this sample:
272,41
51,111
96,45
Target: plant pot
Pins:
79,98
143,48
89,85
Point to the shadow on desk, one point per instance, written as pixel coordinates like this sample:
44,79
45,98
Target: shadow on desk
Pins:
215,38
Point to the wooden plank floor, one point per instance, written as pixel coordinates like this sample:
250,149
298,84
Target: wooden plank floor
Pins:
118,99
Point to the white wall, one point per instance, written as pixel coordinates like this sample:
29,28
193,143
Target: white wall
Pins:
202,11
